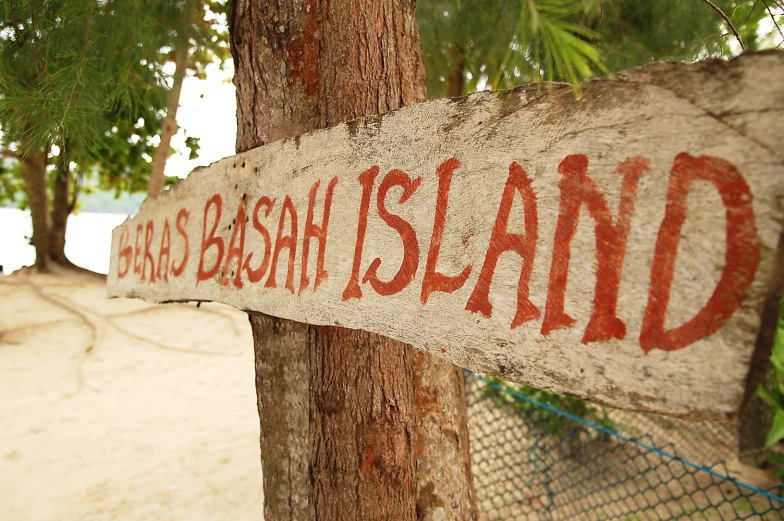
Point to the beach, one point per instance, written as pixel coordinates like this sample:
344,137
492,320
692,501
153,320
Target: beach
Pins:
122,410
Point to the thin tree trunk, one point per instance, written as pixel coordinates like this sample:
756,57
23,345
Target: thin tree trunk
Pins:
753,429
282,373
169,128
456,82
61,208
445,483
75,191
348,431
34,173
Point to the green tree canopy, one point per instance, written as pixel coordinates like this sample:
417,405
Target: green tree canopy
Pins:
84,91
504,43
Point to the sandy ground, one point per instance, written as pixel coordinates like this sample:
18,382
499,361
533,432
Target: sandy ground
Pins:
122,410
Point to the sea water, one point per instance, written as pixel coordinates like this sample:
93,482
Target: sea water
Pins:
88,239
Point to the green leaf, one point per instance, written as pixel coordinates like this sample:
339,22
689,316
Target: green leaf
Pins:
778,458
776,432
765,394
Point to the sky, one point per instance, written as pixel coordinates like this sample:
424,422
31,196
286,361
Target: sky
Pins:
207,111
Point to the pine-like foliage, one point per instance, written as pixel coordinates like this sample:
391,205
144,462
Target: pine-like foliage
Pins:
65,63
76,71
504,43
198,27
89,76
83,92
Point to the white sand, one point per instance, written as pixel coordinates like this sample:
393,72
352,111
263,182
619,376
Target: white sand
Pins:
122,410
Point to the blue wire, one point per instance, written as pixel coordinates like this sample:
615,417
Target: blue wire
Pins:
618,435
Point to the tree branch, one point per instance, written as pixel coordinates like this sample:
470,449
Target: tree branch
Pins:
77,186
599,25
80,68
21,37
729,23
772,17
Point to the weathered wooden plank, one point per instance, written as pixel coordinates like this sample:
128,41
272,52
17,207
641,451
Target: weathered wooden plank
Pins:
618,248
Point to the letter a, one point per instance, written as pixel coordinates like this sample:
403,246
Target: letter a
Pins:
501,241
285,241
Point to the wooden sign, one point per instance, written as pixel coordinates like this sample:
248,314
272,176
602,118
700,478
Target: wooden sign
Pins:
619,247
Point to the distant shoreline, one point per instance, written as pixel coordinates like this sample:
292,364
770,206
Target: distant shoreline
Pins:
87,243
102,201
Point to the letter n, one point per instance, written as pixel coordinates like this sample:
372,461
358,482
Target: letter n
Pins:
501,241
578,189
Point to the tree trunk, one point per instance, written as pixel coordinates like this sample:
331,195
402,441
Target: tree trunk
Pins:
348,431
61,208
34,173
445,482
282,373
753,430
456,82
169,128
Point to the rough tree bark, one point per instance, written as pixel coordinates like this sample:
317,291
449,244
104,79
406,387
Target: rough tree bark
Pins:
169,128
354,425
34,173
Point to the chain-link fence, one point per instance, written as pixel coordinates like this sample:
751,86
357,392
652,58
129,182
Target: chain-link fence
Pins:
545,461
